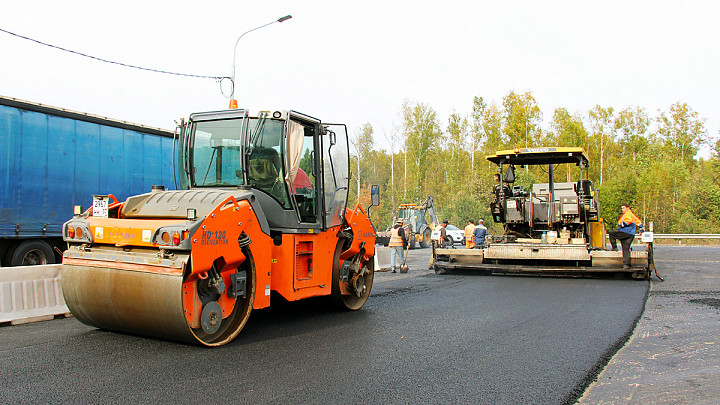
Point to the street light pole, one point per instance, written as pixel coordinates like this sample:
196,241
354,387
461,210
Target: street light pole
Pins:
233,102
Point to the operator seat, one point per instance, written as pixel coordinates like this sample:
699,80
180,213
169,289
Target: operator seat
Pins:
585,185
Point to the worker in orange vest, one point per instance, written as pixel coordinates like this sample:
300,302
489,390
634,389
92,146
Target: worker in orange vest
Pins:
627,226
469,229
397,240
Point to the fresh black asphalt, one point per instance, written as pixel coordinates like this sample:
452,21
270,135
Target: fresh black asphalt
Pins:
459,338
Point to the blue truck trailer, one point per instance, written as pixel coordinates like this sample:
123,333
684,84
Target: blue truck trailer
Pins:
52,159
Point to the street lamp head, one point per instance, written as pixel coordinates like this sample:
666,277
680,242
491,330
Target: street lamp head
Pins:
233,102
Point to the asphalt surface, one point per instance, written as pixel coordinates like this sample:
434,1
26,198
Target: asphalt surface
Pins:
421,338
674,355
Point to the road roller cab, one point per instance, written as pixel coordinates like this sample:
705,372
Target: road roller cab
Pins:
261,206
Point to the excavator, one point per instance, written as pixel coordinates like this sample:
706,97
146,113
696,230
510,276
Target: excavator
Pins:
260,207
417,228
554,228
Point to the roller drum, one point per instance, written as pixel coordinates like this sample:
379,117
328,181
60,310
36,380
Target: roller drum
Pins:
127,301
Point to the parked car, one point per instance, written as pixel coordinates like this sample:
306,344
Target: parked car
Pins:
454,235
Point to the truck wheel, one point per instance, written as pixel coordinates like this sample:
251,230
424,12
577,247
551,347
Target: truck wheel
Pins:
425,242
32,253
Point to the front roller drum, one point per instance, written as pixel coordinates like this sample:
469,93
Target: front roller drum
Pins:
150,304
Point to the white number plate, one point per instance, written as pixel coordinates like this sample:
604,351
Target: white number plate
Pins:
100,206
511,204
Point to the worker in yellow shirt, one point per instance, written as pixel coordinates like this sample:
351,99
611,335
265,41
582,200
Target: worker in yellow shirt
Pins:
469,229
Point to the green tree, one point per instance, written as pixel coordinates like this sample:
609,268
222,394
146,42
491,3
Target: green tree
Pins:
647,161
363,143
715,161
422,133
683,131
568,130
522,118
456,142
477,135
702,202
492,130
632,123
603,134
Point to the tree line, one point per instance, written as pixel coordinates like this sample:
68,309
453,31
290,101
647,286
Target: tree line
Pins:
647,160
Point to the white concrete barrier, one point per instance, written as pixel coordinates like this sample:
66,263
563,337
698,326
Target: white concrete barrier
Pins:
31,293
382,258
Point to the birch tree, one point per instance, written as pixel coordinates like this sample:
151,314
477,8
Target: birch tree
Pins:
422,133
682,130
603,132
522,118
363,143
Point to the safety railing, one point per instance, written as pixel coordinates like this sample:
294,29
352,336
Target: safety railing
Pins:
679,236
686,236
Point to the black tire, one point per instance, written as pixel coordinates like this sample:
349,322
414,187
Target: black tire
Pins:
449,241
32,253
426,238
412,242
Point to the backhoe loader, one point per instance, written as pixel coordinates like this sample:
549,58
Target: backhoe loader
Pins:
417,229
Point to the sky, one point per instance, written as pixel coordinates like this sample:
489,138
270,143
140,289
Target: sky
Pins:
357,62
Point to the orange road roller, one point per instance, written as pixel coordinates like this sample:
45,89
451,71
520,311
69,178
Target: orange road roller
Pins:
260,205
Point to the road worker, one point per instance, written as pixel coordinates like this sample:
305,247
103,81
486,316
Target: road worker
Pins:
397,240
479,234
442,242
627,226
469,229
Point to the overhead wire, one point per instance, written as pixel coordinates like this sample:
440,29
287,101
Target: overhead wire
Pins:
217,78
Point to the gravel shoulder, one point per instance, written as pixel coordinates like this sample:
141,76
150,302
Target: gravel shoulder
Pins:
673,356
